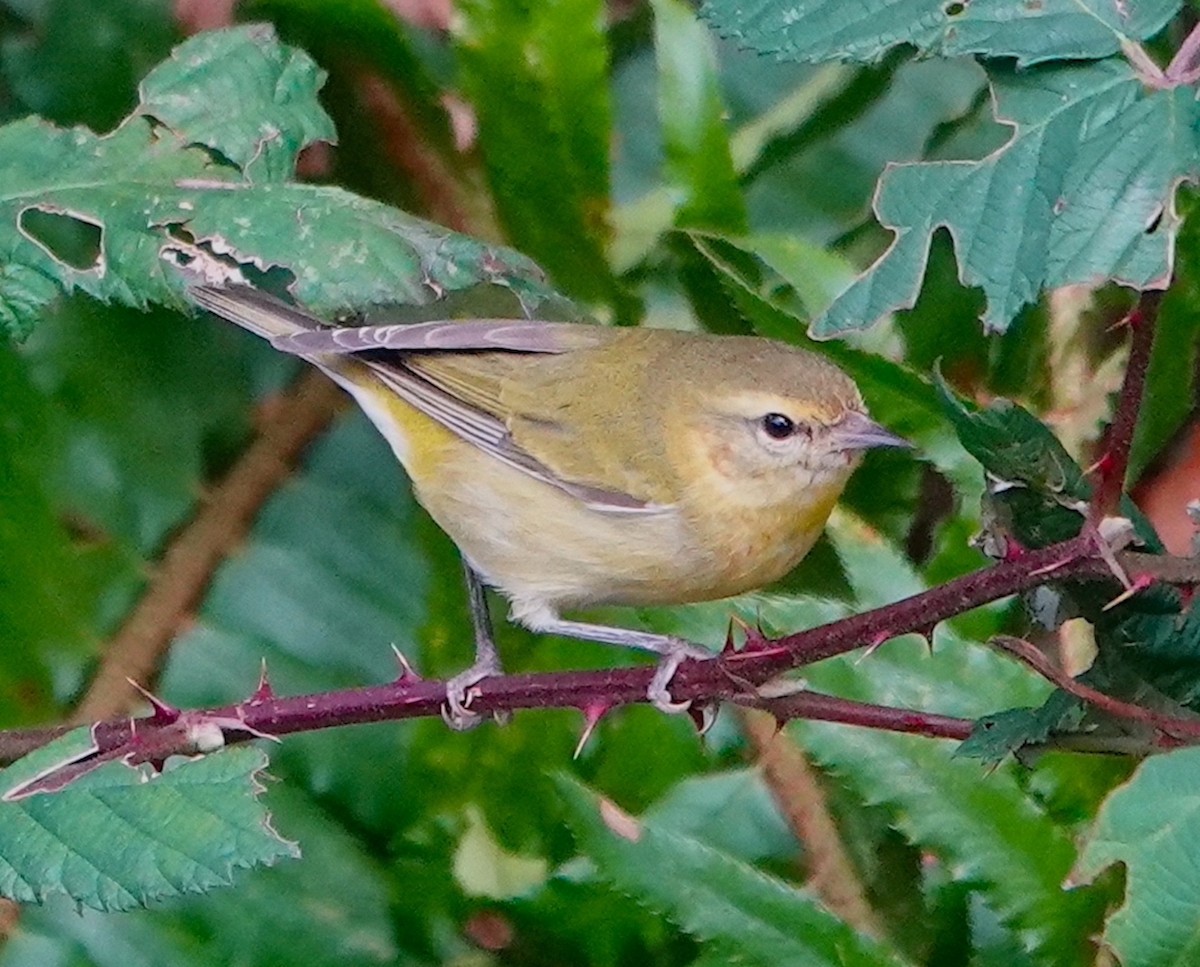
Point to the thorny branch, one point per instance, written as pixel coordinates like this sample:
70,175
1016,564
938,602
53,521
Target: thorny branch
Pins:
734,675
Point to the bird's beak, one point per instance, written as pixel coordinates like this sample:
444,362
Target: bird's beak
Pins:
857,431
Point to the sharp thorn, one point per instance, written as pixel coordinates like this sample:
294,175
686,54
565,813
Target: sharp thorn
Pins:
727,648
592,714
408,675
263,692
1135,587
164,714
867,652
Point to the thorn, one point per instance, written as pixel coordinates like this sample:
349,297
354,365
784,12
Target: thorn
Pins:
703,716
592,714
1052,566
881,637
755,640
264,692
164,714
727,648
1111,535
926,632
748,632
1139,584
407,675
1103,466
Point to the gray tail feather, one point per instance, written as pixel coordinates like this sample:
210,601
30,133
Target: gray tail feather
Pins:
261,313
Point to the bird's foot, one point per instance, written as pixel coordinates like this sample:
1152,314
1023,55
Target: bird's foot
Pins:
658,692
461,691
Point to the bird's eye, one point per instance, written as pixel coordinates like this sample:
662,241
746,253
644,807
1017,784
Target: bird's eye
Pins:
777,426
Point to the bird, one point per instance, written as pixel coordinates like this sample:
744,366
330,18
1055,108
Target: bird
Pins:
577,465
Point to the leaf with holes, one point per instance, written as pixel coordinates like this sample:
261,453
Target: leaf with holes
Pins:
1031,32
1081,193
110,215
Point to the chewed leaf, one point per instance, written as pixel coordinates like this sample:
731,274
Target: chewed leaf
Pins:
266,92
114,215
118,838
815,30
1081,193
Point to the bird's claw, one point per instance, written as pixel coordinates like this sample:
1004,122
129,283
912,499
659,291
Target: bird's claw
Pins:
658,693
460,692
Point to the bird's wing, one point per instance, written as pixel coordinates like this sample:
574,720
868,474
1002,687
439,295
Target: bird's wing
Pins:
452,371
512,335
491,434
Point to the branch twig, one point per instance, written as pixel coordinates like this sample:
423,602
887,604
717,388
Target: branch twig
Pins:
1176,727
732,676
728,677
1114,463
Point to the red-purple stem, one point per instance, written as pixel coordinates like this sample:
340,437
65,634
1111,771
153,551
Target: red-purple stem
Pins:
1113,464
730,677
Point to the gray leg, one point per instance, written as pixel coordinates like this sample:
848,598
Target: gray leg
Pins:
487,658
674,652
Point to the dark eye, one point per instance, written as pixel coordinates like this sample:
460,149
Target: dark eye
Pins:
777,426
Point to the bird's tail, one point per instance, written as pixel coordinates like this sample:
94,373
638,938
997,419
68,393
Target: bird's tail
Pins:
261,313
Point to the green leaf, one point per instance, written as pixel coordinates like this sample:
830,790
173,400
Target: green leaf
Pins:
114,840
1152,825
699,166
811,30
995,736
146,190
751,917
266,92
1014,446
267,918
536,74
982,826
1081,192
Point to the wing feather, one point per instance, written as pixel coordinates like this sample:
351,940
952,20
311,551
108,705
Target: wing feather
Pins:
425,365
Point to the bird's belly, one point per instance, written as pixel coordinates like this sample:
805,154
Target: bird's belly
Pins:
545,549
548,550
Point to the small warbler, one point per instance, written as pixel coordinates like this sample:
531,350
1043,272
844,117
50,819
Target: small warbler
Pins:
578,465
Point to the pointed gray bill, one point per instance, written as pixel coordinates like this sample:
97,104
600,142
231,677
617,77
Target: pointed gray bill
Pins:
857,431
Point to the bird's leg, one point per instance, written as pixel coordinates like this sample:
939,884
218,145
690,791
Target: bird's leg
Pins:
674,651
487,658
